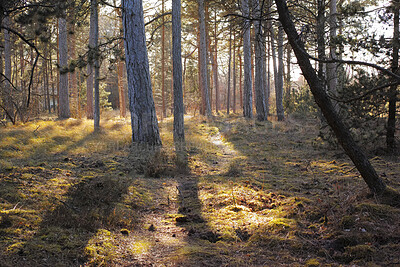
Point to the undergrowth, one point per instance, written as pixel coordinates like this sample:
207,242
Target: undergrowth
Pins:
241,193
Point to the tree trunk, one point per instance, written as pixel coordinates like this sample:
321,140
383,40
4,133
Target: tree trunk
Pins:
164,106
234,73
279,78
203,58
391,124
120,71
341,131
72,55
259,68
90,73
228,97
179,129
215,64
247,94
8,92
94,19
63,50
331,67
141,102
240,78
320,32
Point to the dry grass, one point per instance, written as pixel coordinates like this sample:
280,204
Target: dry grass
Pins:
258,194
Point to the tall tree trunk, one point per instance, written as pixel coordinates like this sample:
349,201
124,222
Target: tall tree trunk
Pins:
179,129
240,78
94,19
288,74
8,92
203,58
164,106
279,79
72,55
247,94
391,123
234,73
341,131
64,111
90,72
320,32
46,77
215,64
259,68
120,70
202,108
141,102
228,97
331,67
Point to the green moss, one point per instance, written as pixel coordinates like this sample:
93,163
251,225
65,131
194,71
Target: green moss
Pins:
312,263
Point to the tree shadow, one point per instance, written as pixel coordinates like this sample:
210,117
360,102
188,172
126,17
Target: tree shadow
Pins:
64,233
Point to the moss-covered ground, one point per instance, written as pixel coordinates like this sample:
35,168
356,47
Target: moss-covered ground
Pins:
245,194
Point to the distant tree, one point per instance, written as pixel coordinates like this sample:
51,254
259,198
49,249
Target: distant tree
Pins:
141,102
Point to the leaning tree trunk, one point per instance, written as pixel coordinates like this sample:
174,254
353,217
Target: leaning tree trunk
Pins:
203,58
141,102
341,131
247,91
259,68
391,123
63,49
179,129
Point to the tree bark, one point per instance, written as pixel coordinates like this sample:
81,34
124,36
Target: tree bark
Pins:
120,71
72,55
164,106
247,92
141,102
215,64
391,123
331,68
179,129
363,165
279,78
8,92
261,108
234,74
64,111
94,18
203,58
228,97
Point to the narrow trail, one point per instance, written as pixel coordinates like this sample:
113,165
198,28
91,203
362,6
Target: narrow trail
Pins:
175,204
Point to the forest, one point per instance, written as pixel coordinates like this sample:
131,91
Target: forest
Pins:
199,133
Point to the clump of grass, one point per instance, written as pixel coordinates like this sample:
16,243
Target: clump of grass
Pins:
235,169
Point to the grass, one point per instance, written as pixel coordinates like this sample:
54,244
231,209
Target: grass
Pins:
250,194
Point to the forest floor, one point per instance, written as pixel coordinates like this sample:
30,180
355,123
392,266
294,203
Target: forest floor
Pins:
255,194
